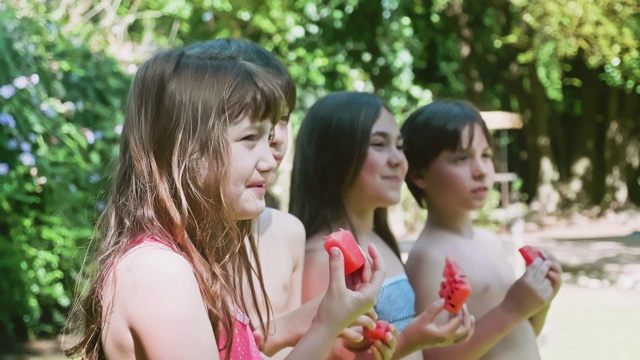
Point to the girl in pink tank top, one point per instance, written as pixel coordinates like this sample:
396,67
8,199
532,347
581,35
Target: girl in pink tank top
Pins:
193,162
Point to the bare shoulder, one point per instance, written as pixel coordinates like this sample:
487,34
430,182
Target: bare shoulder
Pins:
151,271
158,298
291,224
315,243
425,250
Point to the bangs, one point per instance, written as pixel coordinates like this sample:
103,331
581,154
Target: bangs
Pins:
256,94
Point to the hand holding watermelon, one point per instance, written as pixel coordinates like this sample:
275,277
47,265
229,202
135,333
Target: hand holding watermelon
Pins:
379,333
529,253
455,288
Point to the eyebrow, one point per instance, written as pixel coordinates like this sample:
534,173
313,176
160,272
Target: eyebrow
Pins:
385,135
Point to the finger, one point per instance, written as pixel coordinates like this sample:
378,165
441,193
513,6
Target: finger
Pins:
539,269
352,334
372,314
555,278
378,267
471,327
336,269
449,329
365,321
433,310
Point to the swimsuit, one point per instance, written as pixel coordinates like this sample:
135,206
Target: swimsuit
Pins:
244,345
396,302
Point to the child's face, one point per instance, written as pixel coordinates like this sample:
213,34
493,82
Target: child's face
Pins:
461,178
251,164
279,145
380,179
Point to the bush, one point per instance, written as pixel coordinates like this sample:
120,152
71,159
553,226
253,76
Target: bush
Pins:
60,106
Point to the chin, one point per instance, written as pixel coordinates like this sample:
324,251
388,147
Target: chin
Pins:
250,213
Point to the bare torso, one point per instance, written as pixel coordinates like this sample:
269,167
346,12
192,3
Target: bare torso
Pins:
484,261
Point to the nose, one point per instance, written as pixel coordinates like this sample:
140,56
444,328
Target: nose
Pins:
397,157
279,134
480,167
266,163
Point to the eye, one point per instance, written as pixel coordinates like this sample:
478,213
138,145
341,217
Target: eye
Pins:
272,134
400,146
251,137
487,155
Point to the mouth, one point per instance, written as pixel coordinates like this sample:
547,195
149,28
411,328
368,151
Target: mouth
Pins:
480,190
393,178
278,158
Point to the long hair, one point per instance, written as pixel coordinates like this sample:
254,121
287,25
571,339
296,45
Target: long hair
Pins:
434,128
331,148
171,179
247,51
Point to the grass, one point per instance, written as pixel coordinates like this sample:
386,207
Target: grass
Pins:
592,324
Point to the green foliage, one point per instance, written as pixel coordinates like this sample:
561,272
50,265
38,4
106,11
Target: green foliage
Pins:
60,104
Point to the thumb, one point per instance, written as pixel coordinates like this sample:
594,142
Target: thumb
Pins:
433,310
336,269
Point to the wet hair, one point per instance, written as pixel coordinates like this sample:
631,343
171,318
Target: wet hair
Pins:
330,150
251,52
171,179
434,128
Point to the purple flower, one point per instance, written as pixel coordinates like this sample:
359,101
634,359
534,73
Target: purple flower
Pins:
4,168
100,206
90,136
34,78
27,159
7,120
12,144
47,110
25,146
21,82
7,91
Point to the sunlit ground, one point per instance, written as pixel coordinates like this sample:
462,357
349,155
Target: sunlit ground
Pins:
592,324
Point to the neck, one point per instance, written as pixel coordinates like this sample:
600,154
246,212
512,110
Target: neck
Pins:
458,223
362,222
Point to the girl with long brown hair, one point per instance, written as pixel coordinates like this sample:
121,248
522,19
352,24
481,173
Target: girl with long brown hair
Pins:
169,256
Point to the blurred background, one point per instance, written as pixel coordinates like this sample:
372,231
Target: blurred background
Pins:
557,80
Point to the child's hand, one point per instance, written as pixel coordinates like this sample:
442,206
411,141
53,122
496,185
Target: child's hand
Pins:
342,306
384,349
352,335
532,291
425,333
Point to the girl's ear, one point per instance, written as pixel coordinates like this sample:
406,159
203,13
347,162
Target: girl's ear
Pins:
418,177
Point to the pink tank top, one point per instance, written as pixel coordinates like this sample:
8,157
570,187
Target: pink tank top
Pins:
244,345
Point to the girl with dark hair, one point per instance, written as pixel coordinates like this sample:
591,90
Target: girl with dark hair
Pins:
448,147
170,258
348,168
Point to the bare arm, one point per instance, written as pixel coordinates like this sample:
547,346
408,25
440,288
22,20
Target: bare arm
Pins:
160,299
525,297
339,307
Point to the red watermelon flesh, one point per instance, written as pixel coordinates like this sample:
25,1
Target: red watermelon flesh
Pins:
455,288
529,253
379,333
344,240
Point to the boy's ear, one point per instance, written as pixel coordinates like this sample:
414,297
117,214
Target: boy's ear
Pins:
418,178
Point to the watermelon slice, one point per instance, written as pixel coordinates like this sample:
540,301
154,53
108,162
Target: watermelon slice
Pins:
379,333
529,253
455,288
344,240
